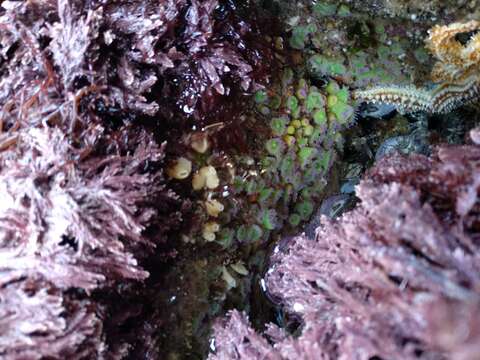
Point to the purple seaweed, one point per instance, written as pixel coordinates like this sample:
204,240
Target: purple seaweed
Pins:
395,278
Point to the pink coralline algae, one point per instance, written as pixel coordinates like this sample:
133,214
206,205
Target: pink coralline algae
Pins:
88,93
395,278
142,56
72,222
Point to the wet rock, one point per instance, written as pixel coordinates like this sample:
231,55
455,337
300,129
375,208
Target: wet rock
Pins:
332,207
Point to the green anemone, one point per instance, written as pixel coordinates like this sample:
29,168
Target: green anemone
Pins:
314,101
322,8
292,103
304,209
268,219
320,117
320,66
261,97
264,195
305,154
287,167
274,146
294,219
249,233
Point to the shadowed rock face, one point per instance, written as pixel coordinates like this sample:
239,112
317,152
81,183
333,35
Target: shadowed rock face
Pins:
397,277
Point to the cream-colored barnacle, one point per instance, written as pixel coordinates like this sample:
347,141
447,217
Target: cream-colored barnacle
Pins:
180,169
205,177
211,181
209,230
200,142
239,267
228,278
198,181
231,171
213,207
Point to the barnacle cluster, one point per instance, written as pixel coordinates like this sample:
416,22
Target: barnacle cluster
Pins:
205,178
456,73
195,169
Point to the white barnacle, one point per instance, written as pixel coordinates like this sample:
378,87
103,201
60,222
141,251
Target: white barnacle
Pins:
180,169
